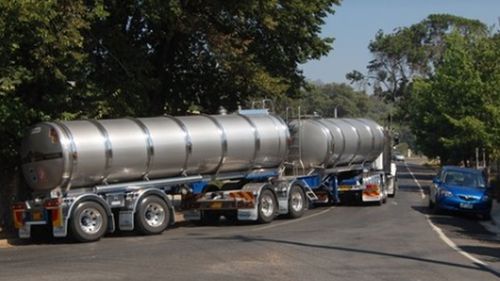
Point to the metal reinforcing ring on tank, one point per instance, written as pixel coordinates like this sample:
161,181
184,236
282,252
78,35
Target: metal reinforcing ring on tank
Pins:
85,153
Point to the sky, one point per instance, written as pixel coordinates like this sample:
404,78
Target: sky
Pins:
356,22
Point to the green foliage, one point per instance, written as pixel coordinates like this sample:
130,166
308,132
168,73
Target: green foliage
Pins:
457,109
410,52
71,59
323,99
102,59
43,65
168,56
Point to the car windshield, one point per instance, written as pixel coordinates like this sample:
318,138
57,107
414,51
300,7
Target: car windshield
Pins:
462,178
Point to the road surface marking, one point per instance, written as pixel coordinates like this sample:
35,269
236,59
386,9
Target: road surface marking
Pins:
292,221
449,242
422,193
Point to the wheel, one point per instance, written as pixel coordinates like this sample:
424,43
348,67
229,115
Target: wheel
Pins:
267,206
152,215
89,221
434,207
296,202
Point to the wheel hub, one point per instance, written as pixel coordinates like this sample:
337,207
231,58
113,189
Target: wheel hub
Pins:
90,220
154,214
297,201
267,206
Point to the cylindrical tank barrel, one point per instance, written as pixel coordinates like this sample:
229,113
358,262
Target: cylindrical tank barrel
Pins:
88,152
328,143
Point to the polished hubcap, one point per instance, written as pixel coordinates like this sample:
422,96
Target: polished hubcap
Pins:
267,205
297,201
154,214
91,220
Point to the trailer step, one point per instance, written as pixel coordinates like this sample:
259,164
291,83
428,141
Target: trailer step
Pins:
310,194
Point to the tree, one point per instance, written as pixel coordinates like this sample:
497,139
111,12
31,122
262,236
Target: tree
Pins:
457,109
69,59
43,66
325,99
410,52
43,74
172,56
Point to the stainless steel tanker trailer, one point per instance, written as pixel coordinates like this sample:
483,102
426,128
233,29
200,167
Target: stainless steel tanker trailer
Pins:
90,176
351,156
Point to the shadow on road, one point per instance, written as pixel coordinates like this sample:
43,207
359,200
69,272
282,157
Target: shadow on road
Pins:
492,253
250,239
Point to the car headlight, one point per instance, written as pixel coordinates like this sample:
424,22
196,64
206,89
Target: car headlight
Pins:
485,198
445,193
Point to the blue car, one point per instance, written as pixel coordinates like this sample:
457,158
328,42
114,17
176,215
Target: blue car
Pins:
460,189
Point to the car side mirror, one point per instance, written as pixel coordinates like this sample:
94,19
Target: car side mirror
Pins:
436,181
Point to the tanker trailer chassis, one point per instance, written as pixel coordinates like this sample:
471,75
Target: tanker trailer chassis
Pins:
366,187
89,213
259,196
146,206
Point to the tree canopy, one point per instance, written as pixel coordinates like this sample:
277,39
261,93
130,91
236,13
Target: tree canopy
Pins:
325,99
439,74
410,52
103,59
457,109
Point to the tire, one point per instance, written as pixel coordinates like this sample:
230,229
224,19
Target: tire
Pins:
89,221
267,206
152,215
296,202
434,208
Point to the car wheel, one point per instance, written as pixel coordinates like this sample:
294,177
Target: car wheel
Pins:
435,208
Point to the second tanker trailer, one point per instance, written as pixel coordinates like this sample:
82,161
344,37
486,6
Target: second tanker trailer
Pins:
89,176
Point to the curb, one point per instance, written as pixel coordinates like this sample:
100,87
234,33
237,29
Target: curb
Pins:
495,213
493,225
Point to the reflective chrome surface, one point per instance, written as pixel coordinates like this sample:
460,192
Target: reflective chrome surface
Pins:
84,153
321,142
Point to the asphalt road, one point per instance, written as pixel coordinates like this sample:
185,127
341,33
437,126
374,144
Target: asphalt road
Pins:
396,241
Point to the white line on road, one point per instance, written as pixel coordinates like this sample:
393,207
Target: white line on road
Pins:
448,241
452,244
422,193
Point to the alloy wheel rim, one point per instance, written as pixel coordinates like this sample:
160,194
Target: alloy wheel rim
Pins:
154,214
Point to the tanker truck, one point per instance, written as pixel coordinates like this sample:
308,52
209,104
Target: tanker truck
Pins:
90,177
351,156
